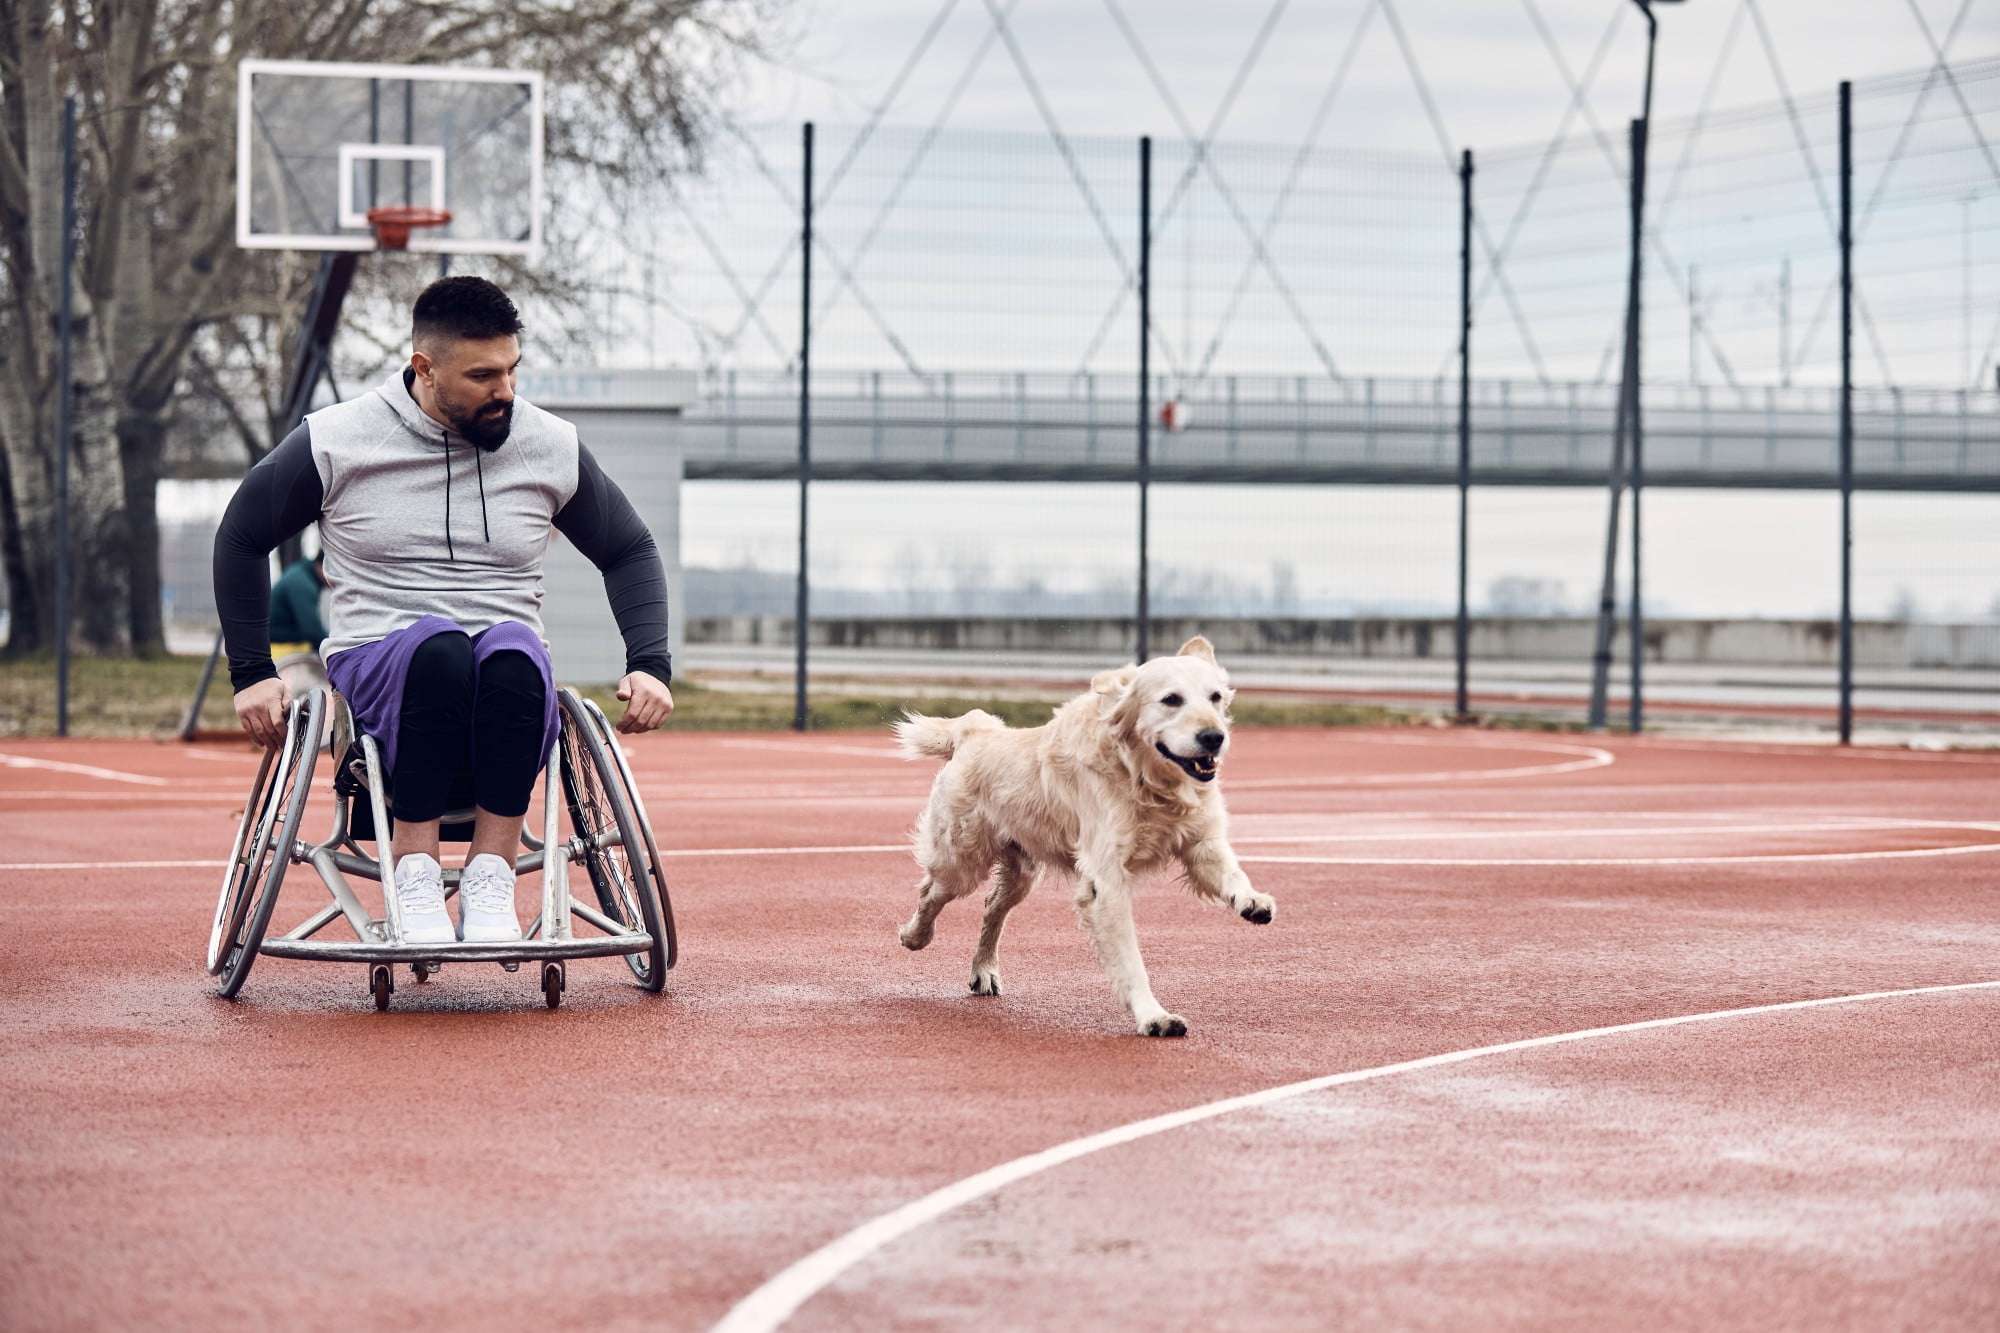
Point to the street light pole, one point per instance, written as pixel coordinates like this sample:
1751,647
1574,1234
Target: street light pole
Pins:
1627,414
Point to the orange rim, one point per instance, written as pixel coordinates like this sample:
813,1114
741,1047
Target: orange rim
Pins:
393,225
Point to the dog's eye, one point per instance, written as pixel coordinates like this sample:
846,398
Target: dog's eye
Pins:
1173,701
1215,698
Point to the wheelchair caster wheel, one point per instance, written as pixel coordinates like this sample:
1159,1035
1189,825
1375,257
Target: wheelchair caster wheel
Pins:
510,967
553,983
422,971
382,985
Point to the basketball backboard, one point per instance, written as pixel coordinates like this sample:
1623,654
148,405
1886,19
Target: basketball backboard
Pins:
318,144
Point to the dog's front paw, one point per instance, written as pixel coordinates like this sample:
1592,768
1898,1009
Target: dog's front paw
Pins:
1256,908
985,981
1163,1025
916,933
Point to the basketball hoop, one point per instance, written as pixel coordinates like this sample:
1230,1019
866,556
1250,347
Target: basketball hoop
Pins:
392,225
1173,416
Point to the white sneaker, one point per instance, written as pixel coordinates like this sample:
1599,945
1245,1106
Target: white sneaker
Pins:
420,898
486,901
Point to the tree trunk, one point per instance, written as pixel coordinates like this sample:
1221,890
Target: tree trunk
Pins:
141,444
21,606
99,535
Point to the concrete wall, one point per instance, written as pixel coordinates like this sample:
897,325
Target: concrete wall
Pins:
630,423
1739,642
584,643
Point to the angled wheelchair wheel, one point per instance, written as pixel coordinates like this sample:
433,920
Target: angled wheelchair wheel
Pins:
638,804
619,855
264,838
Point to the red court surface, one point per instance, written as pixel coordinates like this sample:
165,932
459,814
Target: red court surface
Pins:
805,1086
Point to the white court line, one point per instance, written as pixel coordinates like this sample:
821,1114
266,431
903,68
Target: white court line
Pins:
903,847
1590,757
1721,745
781,1296
188,794
1362,812
683,852
111,865
873,848
1651,831
85,770
1585,757
223,756
1904,853
127,797
790,747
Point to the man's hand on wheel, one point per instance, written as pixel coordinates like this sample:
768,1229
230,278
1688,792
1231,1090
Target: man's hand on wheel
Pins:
647,702
261,710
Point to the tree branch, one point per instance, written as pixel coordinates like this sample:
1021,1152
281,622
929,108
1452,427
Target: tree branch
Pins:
125,75
211,384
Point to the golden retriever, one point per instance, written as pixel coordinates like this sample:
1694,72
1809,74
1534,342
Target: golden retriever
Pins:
1119,782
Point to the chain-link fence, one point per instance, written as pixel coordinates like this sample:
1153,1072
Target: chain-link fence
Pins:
975,413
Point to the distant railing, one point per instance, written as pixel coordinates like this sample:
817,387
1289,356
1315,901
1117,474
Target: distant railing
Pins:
1035,426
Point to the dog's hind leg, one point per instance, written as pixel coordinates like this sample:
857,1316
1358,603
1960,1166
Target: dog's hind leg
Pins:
1015,878
940,886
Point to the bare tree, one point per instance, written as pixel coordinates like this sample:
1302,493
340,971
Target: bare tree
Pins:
167,307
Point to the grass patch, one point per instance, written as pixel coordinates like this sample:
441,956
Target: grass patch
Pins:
110,696
149,696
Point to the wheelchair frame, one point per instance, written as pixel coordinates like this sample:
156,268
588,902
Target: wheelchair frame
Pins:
611,836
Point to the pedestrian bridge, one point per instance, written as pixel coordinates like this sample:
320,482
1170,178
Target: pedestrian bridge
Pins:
985,426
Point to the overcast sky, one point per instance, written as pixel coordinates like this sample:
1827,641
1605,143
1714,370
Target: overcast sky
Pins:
1493,78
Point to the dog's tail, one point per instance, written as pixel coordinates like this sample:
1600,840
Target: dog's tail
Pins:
939,737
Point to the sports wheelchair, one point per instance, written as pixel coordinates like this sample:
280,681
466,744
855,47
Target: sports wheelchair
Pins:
608,832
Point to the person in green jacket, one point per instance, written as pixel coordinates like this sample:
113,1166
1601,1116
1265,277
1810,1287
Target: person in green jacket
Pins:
296,627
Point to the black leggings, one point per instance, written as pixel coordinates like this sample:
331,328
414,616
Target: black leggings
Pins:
447,700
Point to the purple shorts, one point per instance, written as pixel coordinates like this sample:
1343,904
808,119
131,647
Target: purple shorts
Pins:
371,677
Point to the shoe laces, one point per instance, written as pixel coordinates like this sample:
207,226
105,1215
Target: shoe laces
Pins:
487,889
420,892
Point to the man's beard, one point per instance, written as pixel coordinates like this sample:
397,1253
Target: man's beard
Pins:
488,428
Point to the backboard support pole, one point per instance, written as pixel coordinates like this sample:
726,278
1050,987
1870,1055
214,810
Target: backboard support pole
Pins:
312,362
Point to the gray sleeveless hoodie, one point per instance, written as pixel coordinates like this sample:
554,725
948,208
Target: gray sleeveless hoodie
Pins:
417,520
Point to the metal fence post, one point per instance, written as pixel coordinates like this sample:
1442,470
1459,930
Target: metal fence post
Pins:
1145,382
1640,129
65,337
1607,595
801,624
1464,425
1846,412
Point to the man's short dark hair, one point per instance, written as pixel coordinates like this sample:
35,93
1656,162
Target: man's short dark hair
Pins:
464,307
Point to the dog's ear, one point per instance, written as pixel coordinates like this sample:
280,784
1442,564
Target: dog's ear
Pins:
1111,687
1198,647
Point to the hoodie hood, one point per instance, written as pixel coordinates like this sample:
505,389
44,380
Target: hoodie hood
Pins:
397,392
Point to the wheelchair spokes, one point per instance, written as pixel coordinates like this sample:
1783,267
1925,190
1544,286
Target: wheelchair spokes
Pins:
251,832
611,839
277,807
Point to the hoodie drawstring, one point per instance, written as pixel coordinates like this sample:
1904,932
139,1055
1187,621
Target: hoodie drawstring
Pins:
485,526
486,533
449,552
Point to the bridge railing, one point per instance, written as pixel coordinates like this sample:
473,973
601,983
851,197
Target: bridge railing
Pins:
1038,425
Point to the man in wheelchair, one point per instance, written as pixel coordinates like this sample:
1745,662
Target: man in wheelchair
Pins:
435,572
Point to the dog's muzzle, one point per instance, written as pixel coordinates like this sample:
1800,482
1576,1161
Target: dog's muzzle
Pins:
1201,768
